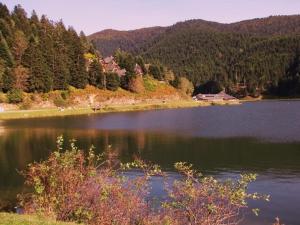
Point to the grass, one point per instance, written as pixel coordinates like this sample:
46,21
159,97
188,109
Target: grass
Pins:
16,219
22,114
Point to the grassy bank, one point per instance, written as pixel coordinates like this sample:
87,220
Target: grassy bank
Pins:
22,114
15,219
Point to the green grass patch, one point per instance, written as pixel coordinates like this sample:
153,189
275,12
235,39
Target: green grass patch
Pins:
150,83
15,219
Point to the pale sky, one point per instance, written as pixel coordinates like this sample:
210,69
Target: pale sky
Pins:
95,15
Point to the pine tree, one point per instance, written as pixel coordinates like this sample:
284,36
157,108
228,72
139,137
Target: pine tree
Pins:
39,72
8,80
96,76
20,18
79,76
112,81
5,52
4,12
61,72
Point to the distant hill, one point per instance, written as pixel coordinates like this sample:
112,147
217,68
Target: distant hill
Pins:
108,41
257,53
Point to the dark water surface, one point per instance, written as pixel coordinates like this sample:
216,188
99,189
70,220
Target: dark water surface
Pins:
261,137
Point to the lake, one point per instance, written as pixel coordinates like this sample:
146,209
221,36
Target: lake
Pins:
223,141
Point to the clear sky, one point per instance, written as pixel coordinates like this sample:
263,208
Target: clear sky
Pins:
95,15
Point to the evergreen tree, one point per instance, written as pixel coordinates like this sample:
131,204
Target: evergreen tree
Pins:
5,52
96,76
79,76
4,12
112,81
8,80
156,71
61,71
20,19
39,72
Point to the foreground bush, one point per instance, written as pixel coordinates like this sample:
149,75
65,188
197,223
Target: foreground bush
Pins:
15,96
72,186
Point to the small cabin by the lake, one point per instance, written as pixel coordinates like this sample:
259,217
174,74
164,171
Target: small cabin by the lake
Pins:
222,96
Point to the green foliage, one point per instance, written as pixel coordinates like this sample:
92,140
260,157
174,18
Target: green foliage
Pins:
210,87
108,41
96,76
59,101
15,96
79,76
149,83
53,55
8,80
157,71
40,78
250,57
112,81
5,52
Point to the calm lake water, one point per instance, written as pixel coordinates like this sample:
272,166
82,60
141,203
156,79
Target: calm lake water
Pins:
224,141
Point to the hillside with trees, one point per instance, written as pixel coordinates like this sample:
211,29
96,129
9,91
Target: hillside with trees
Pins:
246,58
108,41
42,61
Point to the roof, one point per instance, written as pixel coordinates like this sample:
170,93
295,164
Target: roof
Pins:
109,59
214,97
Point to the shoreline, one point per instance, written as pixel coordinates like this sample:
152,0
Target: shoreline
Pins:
72,111
173,104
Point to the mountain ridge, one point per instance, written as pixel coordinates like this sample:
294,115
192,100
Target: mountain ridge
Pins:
108,40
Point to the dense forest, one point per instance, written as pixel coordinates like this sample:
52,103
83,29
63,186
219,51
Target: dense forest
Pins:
108,41
250,57
39,55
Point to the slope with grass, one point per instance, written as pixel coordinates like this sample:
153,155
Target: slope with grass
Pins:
15,219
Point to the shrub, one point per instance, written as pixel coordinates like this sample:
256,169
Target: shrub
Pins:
3,98
157,71
73,186
60,102
65,95
112,81
15,96
26,104
149,83
184,85
136,85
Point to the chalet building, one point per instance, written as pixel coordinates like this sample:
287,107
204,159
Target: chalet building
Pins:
110,65
222,96
138,69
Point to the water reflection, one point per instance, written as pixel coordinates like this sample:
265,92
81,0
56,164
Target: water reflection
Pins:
222,141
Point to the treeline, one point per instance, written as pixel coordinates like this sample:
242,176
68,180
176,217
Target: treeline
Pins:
38,55
246,58
241,63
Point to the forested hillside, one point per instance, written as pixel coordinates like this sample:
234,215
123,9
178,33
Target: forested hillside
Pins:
39,55
249,57
108,41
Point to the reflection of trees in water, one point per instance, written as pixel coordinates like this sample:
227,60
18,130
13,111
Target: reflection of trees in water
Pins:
18,147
